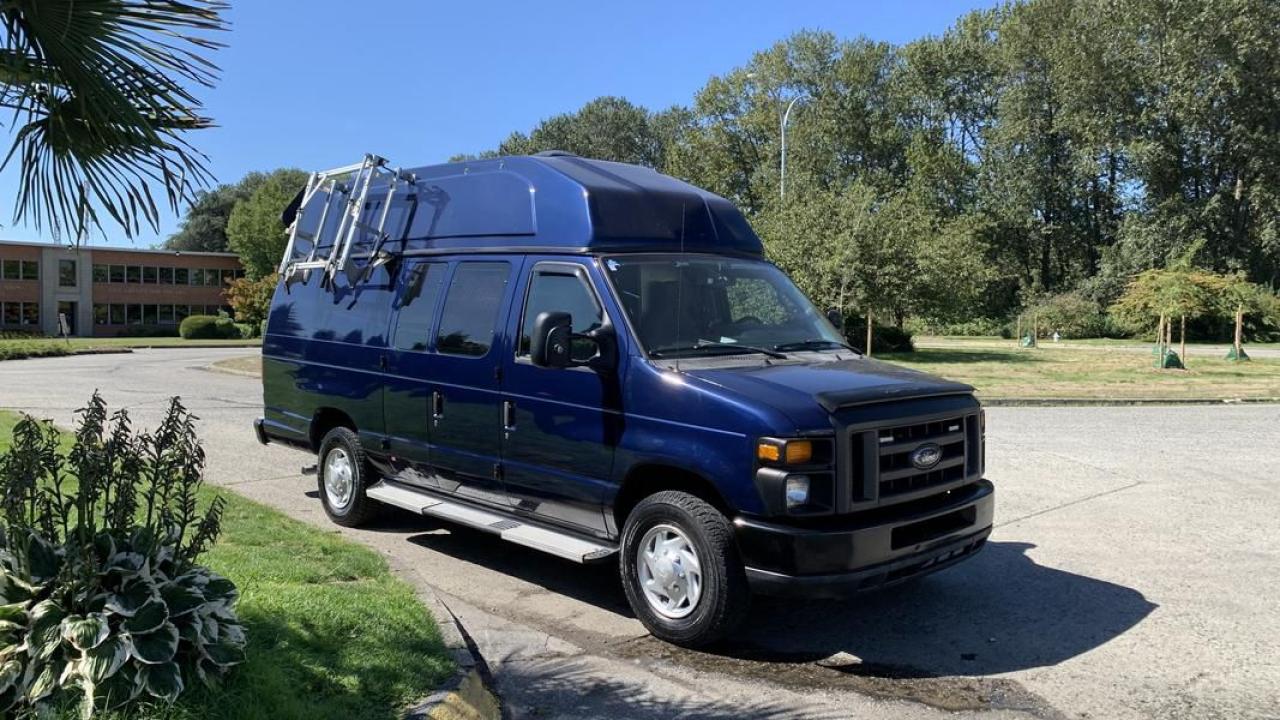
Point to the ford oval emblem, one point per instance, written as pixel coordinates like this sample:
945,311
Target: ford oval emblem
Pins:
926,456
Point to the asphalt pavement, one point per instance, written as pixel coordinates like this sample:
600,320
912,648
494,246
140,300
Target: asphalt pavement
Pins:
1134,572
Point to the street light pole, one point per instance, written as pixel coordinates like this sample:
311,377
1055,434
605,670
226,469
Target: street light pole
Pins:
782,169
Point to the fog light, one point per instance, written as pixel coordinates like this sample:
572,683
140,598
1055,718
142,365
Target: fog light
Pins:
797,490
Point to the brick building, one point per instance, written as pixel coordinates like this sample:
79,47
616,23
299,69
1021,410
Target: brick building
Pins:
108,291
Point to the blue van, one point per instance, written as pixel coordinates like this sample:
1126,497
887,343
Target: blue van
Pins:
596,361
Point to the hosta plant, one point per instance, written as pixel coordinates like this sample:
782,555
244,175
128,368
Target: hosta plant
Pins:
101,598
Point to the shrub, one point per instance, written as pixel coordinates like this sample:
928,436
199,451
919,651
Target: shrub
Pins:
208,327
101,598
247,331
1072,315
251,299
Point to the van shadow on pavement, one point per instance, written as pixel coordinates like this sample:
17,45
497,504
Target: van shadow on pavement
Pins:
999,612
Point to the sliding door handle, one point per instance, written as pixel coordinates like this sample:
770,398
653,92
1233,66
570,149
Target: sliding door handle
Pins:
437,405
508,415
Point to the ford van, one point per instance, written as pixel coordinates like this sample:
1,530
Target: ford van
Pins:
597,361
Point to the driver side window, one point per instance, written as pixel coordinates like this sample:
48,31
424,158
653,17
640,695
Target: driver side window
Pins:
561,288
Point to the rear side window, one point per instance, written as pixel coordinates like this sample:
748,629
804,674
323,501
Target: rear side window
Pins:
559,288
470,315
422,286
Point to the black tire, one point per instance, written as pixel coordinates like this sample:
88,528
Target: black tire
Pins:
358,509
724,596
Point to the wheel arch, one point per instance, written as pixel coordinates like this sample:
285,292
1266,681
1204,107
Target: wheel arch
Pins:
326,419
645,479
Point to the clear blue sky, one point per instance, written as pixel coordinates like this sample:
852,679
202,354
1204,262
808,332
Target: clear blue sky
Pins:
419,81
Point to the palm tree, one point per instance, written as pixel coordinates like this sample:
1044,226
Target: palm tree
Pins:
93,93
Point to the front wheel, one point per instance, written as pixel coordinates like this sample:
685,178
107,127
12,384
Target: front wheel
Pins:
681,571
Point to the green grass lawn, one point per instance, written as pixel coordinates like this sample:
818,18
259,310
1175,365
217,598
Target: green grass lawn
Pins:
16,348
1117,343
1064,372
332,634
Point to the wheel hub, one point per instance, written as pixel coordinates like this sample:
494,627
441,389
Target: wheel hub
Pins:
669,571
339,478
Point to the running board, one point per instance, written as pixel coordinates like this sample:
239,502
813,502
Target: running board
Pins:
560,544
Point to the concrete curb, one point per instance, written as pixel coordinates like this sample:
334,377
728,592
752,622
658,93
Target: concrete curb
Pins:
1120,402
215,367
466,695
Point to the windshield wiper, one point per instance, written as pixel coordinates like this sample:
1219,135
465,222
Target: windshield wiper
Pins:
815,345
659,352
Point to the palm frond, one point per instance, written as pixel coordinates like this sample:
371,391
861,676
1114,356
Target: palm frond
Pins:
97,89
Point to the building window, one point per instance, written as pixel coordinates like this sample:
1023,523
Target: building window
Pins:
12,313
100,273
101,314
181,276
211,277
166,276
197,276
30,313
11,269
117,274
166,314
117,314
30,270
149,275
133,314
150,315
66,273
181,312
133,274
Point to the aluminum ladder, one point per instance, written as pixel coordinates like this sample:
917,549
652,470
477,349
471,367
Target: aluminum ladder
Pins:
349,187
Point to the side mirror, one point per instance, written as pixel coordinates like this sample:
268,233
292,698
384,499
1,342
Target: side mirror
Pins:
550,344
836,318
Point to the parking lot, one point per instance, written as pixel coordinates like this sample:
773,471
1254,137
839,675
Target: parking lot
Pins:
1133,573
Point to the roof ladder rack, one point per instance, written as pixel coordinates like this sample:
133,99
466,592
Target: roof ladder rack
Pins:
353,183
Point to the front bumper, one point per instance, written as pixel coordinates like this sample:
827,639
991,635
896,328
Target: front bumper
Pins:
871,550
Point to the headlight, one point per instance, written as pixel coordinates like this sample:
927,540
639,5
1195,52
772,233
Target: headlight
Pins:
797,491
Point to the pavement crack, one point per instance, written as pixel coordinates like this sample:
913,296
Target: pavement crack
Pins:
1069,503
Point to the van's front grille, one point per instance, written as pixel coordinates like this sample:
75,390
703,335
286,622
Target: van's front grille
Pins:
894,463
899,445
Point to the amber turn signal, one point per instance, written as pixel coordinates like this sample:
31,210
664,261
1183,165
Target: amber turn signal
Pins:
769,452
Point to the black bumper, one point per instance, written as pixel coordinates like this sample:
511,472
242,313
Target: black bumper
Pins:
260,431
876,549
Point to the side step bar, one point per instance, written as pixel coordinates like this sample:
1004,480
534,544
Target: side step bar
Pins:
560,544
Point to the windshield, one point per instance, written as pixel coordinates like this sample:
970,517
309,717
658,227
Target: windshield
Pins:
684,306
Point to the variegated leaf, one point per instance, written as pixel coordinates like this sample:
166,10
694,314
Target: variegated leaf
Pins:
10,671
223,654
181,599
42,679
85,632
158,646
103,661
162,681
133,594
44,635
148,617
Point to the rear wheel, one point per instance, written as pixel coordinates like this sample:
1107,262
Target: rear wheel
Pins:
342,475
681,571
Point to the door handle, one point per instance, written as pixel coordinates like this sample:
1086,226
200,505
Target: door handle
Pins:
437,405
508,415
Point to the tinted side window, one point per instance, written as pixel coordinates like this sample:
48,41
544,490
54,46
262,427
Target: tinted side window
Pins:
421,293
559,289
471,308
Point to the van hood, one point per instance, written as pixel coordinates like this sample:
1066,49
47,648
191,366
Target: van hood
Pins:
831,385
